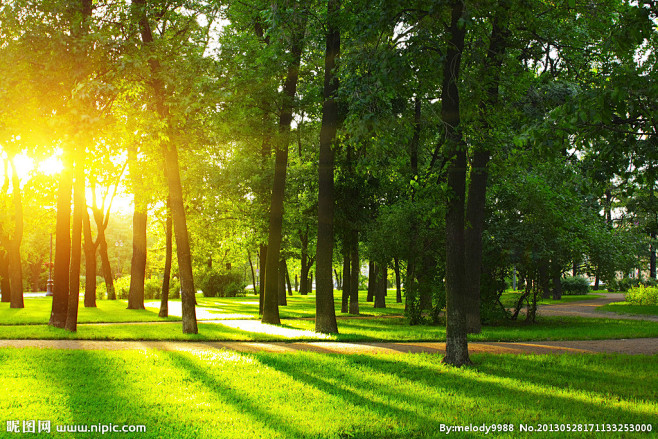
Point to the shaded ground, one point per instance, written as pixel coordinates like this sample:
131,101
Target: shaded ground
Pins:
647,346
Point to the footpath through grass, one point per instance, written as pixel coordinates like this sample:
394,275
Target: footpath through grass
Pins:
222,394
376,329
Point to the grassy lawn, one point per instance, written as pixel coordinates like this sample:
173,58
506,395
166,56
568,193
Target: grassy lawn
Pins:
37,311
377,329
628,308
510,298
221,394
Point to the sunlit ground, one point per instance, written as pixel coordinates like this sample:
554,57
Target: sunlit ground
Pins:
219,394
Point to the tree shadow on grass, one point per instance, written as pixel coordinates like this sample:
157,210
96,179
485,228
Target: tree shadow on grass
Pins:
514,390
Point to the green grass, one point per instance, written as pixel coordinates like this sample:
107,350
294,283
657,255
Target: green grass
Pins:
37,311
628,308
222,394
510,298
376,329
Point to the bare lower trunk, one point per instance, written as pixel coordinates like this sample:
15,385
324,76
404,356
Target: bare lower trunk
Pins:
398,282
107,268
355,270
62,248
262,255
344,308
281,278
164,298
456,339
90,262
288,278
5,285
380,287
138,261
372,276
253,275
79,208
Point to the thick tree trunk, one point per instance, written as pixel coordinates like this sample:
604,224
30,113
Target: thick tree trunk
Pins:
557,283
325,317
138,261
90,262
398,281
164,295
5,285
355,271
455,148
62,248
475,210
544,278
344,307
79,209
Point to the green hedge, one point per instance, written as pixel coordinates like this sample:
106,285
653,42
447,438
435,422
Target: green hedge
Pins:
572,286
642,295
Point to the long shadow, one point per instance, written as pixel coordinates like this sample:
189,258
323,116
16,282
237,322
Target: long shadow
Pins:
244,405
99,389
481,386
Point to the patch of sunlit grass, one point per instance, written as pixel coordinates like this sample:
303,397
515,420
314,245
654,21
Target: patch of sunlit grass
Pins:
220,394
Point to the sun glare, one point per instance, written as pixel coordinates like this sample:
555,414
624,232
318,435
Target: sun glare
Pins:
50,166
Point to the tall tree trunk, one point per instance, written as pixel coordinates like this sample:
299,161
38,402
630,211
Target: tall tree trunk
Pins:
355,270
105,265
455,148
79,209
325,317
310,282
372,280
380,286
138,261
14,250
172,169
262,261
90,262
285,264
270,310
62,247
5,285
344,308
164,296
398,281
306,265
475,209
281,293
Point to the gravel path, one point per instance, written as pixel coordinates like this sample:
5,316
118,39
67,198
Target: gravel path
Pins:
587,308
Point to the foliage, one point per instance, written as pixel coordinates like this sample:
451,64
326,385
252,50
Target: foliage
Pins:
216,283
642,295
622,285
574,285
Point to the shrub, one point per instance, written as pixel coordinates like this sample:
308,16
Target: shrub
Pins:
623,285
572,286
642,295
122,287
214,283
152,288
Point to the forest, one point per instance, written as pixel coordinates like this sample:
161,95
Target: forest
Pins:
447,149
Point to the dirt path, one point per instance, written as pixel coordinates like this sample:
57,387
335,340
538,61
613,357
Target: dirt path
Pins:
587,308
647,346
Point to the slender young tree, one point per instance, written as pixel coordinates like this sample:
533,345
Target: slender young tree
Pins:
79,209
164,298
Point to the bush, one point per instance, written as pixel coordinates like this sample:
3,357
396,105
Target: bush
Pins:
572,286
623,285
122,287
214,283
642,295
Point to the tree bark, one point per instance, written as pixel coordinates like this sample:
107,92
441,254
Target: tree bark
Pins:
90,262
652,257
172,169
557,283
5,285
475,210
253,275
355,271
398,281
138,261
262,260
380,286
544,278
285,264
281,293
270,310
372,276
164,296
344,308
455,148
79,209
105,259
62,247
